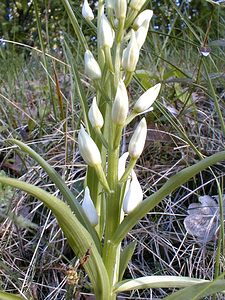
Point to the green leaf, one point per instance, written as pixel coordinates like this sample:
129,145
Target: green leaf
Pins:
8,296
67,194
78,237
75,24
79,87
156,282
198,291
125,257
171,185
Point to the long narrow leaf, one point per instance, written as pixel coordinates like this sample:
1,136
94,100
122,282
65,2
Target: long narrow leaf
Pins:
67,194
79,87
172,184
156,282
8,296
125,257
198,291
75,24
78,237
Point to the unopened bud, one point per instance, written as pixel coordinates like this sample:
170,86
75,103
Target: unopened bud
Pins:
120,105
87,11
95,116
89,208
147,99
88,149
141,34
137,4
137,141
131,54
107,34
145,15
133,196
120,7
92,69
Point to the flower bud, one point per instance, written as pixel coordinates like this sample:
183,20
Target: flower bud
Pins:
147,99
141,34
120,105
107,34
95,116
133,196
137,4
92,69
120,8
87,11
145,15
88,149
137,141
131,54
89,208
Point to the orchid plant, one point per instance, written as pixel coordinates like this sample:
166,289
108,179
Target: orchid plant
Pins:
113,199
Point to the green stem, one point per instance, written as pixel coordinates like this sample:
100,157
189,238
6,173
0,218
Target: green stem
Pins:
119,35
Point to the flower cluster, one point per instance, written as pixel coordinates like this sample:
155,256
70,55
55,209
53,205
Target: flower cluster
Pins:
118,23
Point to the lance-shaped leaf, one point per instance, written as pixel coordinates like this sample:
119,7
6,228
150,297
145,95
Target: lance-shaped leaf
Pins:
172,184
199,291
8,296
67,194
78,237
156,282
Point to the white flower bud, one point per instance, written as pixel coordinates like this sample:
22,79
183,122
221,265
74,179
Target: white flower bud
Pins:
131,54
107,34
120,8
88,149
87,11
91,66
146,100
141,34
133,196
120,105
95,116
89,208
137,4
145,15
122,164
137,141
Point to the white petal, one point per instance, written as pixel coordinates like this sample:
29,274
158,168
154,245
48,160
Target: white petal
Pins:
88,149
137,141
95,116
89,208
122,164
147,99
133,196
87,11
